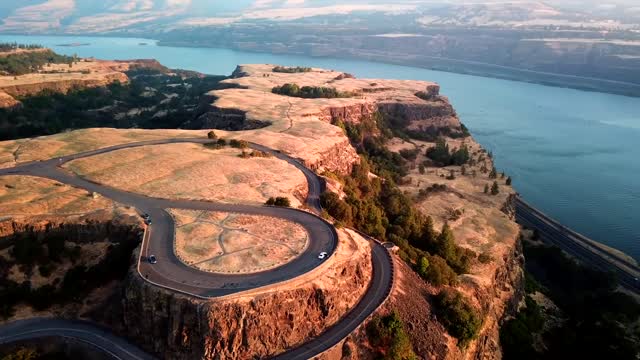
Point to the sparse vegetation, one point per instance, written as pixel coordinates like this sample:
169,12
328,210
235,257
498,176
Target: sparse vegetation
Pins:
28,251
310,92
31,61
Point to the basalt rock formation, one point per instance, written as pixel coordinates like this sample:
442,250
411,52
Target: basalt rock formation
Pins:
255,325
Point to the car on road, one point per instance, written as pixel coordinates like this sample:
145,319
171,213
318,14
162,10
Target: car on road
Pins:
322,255
152,259
147,221
146,216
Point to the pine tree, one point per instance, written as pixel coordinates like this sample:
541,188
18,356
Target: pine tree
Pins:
493,174
508,182
495,189
486,188
445,245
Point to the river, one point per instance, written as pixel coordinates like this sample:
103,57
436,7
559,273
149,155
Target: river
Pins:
573,154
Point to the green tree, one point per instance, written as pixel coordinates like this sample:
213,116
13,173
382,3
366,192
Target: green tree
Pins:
212,135
508,182
445,244
421,169
458,316
439,273
423,266
486,188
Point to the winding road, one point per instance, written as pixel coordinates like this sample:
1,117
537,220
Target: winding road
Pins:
172,274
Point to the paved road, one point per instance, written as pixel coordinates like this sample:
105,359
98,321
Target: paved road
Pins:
579,246
171,273
82,331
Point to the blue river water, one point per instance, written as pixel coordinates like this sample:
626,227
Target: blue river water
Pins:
573,154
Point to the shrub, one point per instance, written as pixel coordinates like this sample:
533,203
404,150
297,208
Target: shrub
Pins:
458,316
239,144
387,334
212,135
222,142
279,201
485,258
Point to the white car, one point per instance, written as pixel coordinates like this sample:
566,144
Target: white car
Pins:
322,255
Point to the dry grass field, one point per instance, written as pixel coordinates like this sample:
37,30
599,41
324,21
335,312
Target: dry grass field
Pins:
27,195
14,152
235,243
192,171
475,217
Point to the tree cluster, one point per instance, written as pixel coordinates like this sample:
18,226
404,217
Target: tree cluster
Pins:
6,47
30,62
291,70
309,92
51,112
442,156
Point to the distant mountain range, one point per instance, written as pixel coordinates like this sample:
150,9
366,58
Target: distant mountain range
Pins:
586,44
144,16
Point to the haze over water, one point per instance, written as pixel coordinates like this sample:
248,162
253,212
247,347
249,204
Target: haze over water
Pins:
573,154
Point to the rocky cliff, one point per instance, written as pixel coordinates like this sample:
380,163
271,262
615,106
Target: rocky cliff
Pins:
62,85
261,323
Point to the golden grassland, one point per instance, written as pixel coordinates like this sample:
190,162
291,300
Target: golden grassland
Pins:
193,171
235,243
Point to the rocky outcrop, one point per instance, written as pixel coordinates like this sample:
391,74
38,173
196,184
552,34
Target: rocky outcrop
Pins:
498,302
8,102
251,326
349,113
338,159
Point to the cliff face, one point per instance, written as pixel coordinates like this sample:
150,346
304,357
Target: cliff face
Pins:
63,86
254,325
338,159
225,119
74,230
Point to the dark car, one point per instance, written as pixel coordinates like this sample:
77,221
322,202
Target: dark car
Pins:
146,216
152,259
148,221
